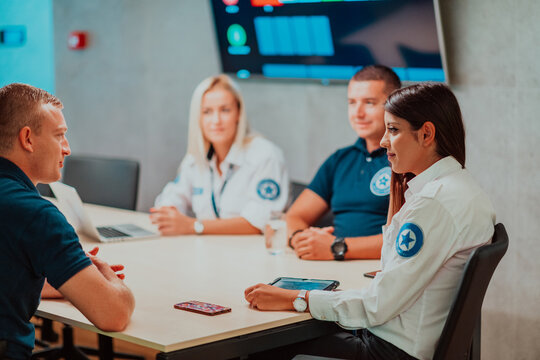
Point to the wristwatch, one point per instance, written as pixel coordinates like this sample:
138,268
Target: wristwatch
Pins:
339,248
300,303
292,235
198,227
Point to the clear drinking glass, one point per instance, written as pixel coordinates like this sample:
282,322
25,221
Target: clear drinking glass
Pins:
275,234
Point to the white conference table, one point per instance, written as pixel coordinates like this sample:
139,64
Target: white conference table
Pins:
217,269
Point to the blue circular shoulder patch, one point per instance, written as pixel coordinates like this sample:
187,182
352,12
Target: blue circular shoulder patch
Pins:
380,182
268,189
409,240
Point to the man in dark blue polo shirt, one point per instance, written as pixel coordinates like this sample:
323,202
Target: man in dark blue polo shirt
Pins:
36,241
354,182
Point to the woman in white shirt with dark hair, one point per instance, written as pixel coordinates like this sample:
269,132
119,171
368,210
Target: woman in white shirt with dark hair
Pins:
438,215
230,181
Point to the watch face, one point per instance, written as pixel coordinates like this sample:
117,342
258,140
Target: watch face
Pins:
338,248
199,227
300,304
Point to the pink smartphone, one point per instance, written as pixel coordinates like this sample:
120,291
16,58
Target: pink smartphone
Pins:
202,307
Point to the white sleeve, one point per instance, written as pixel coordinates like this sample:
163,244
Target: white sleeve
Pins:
404,276
268,190
179,191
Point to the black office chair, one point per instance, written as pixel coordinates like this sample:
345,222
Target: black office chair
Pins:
45,190
296,190
464,317
460,338
101,181
326,220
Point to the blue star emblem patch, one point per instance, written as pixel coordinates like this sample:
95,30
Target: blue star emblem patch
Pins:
380,182
268,189
409,240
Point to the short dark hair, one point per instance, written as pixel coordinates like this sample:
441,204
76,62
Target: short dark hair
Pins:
379,72
418,104
20,106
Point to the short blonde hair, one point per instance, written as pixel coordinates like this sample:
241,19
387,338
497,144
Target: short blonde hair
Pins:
198,146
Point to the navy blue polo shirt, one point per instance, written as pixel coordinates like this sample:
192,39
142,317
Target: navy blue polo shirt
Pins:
356,186
36,242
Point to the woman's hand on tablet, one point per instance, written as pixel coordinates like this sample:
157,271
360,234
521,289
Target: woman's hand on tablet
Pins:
268,297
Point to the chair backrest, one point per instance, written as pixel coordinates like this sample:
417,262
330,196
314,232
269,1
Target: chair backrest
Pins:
103,181
296,189
45,190
457,334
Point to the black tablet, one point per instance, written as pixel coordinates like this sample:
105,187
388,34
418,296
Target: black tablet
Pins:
293,283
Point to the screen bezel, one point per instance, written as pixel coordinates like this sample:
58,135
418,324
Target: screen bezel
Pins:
329,81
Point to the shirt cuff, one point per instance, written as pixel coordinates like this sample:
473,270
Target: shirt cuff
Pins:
320,305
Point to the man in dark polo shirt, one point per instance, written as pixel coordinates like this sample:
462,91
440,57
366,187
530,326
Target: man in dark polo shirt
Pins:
354,182
36,241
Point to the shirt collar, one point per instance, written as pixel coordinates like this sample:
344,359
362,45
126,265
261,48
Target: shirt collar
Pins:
9,168
441,168
360,144
234,157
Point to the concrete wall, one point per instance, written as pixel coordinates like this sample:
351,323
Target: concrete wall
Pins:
493,51
128,95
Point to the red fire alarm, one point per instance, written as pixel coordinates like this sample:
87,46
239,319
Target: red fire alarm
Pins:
77,40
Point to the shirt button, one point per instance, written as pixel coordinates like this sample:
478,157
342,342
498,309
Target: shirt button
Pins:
368,159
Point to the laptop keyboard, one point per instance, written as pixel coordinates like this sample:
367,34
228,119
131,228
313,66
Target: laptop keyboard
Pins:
109,232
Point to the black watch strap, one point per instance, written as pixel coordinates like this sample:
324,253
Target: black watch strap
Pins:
292,235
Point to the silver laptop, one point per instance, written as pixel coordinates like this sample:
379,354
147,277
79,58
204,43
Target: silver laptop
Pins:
71,206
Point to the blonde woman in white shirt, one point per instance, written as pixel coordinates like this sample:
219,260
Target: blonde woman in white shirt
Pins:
438,215
230,181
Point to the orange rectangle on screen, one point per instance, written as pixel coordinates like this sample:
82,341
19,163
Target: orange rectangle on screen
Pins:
265,3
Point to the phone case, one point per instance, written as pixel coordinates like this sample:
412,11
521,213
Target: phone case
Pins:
371,274
202,307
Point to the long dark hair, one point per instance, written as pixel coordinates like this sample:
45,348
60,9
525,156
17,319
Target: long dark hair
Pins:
418,104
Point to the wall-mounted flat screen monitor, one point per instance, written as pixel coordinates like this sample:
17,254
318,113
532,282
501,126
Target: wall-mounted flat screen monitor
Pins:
329,40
